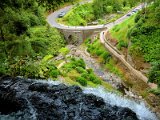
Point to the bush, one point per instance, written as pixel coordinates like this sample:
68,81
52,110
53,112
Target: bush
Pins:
99,52
85,75
30,70
64,51
154,74
82,81
155,91
121,44
89,71
106,57
137,18
54,73
109,9
80,69
94,79
80,63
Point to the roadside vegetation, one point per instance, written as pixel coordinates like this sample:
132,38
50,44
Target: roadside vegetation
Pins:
82,14
143,32
119,32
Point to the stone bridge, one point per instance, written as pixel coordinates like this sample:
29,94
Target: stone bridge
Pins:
79,35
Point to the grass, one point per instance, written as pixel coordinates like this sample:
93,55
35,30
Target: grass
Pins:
71,73
119,32
111,66
78,15
98,50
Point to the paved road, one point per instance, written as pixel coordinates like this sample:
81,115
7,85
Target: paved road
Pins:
51,19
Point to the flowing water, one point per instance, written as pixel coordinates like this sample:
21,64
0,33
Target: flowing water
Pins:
139,108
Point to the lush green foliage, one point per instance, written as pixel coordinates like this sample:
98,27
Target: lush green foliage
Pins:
79,15
82,81
45,40
154,75
143,30
119,32
96,49
25,39
55,4
83,75
145,38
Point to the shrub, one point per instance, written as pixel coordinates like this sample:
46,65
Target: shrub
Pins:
82,81
54,73
94,79
154,74
109,9
80,63
30,70
137,18
106,56
84,75
121,44
89,71
99,52
64,51
80,69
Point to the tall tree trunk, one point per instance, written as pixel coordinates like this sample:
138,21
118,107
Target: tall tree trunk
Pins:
3,39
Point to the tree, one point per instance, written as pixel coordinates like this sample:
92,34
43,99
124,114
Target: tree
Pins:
154,74
98,8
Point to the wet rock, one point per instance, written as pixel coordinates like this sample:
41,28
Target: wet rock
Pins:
31,100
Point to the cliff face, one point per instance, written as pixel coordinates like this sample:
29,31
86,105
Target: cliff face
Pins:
27,99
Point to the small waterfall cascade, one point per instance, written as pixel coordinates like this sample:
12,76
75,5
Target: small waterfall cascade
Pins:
139,107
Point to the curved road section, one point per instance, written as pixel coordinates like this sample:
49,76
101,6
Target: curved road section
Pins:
51,19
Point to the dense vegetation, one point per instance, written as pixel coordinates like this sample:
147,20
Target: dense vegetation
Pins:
29,46
145,38
143,31
84,13
25,38
55,4
119,32
96,49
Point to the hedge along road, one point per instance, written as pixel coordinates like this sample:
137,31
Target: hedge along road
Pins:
51,19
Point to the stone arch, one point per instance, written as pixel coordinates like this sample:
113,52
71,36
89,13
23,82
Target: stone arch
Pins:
70,37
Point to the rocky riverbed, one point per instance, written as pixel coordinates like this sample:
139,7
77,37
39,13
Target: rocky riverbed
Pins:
22,99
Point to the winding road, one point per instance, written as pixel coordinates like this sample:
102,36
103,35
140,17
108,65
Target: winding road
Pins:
51,19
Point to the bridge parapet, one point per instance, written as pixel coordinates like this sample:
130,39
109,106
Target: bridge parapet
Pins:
79,34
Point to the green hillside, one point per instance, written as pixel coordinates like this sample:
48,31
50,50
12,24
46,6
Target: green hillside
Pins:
143,31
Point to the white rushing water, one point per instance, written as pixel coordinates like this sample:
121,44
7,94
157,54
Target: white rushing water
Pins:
140,108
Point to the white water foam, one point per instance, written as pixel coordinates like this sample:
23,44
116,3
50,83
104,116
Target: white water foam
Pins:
143,113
